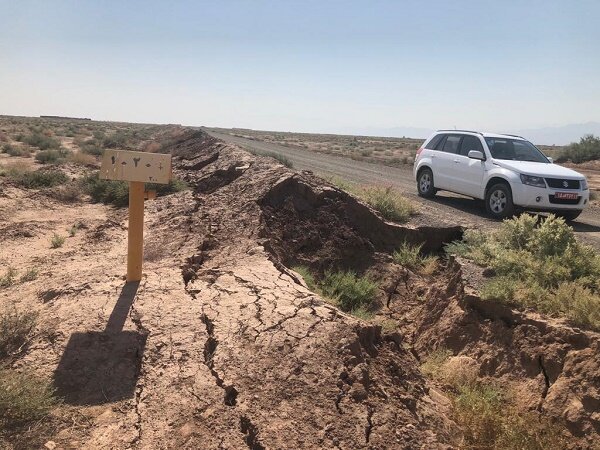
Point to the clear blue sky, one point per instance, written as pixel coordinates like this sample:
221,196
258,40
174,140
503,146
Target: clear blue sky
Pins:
304,65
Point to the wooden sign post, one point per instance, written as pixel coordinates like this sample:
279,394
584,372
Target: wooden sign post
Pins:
137,168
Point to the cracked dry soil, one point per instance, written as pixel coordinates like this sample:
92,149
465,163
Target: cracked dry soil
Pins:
222,346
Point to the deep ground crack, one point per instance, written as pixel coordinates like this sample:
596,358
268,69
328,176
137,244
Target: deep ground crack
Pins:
210,347
251,434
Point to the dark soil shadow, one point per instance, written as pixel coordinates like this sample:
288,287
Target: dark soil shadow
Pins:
101,367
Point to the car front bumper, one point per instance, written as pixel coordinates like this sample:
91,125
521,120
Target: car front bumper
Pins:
544,199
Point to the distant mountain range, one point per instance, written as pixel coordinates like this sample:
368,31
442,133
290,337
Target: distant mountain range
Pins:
562,135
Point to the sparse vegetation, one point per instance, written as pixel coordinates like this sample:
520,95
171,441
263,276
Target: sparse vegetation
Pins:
350,291
389,203
487,414
29,275
36,179
41,141
539,266
308,277
24,398
279,157
411,257
53,156
12,150
587,149
117,192
57,241
16,329
9,277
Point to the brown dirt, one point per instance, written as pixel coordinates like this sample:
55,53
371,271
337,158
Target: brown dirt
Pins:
223,346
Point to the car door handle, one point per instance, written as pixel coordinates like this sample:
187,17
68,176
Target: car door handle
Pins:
457,161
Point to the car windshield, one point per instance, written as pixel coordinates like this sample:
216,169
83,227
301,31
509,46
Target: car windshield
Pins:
515,150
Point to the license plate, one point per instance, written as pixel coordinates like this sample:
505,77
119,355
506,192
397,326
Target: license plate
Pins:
566,195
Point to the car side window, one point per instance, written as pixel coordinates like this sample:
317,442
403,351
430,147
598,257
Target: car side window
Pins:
452,144
470,143
434,142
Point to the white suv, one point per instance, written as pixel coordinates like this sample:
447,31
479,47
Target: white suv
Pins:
504,170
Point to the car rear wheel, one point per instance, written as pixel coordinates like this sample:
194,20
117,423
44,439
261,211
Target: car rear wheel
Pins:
499,202
425,183
569,216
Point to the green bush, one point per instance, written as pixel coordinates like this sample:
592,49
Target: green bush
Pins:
349,290
52,156
541,266
389,203
15,329
41,141
279,157
24,398
587,149
410,256
38,179
308,277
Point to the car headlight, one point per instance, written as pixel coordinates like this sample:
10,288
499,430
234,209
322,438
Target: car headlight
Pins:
584,185
533,181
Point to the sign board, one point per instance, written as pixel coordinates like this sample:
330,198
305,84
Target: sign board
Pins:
136,166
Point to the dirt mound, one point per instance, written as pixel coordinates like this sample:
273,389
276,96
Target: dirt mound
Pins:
552,367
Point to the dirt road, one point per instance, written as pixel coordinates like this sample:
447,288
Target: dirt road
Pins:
445,208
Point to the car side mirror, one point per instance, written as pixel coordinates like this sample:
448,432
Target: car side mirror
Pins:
550,159
476,154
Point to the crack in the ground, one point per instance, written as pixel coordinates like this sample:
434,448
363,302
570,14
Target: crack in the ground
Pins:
250,432
369,426
210,347
546,381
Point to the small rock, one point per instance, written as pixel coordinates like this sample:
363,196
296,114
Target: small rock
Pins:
50,445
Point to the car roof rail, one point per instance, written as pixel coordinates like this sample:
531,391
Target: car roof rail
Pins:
464,131
515,135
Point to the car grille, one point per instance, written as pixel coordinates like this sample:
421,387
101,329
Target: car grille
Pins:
559,183
564,201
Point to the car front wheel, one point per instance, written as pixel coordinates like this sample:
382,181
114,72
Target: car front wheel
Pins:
499,202
425,183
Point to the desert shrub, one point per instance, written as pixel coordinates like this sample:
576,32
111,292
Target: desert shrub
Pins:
106,191
587,149
540,266
9,277
281,158
488,415
57,241
389,203
67,193
91,148
24,398
175,185
117,139
11,150
434,362
37,179
16,329
52,156
117,192
308,277
29,275
348,289
411,257
41,141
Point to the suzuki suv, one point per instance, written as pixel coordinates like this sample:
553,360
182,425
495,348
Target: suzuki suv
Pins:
505,171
